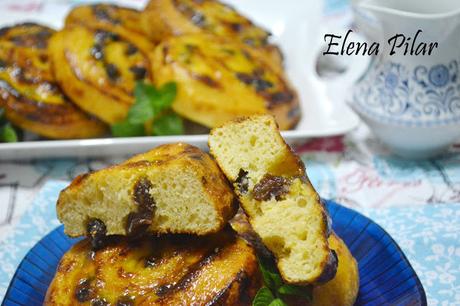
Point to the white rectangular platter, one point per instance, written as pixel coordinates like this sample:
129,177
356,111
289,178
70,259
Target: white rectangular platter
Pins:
296,28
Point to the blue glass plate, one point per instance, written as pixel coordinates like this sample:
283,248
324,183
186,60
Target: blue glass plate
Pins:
386,276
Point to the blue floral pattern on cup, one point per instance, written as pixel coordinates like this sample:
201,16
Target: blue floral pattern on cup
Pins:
423,96
438,75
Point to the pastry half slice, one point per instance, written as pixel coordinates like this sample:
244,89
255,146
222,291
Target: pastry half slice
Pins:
275,193
341,290
173,188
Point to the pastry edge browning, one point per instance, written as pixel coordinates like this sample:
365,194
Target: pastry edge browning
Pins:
46,121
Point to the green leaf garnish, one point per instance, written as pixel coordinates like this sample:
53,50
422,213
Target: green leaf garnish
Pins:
127,129
8,134
142,110
271,277
167,94
263,297
151,108
278,289
169,124
299,291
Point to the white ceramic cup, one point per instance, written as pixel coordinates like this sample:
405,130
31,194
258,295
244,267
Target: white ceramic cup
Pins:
411,102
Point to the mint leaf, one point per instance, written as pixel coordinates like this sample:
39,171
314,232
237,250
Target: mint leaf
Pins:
299,291
263,297
151,108
169,124
8,134
271,277
278,289
277,302
167,94
127,129
142,111
145,92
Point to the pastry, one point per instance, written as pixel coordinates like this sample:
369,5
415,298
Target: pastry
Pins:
219,80
29,93
113,15
342,290
164,18
98,66
274,191
219,269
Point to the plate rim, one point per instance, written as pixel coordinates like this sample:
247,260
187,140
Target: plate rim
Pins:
328,203
418,282
118,146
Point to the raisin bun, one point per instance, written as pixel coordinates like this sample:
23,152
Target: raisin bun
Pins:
282,205
165,18
98,65
29,93
173,188
105,14
219,269
219,80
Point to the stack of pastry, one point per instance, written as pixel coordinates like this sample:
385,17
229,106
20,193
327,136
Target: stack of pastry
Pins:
160,231
73,82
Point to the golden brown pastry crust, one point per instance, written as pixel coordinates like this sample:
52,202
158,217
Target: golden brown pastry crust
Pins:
220,80
104,14
97,67
171,270
28,90
165,18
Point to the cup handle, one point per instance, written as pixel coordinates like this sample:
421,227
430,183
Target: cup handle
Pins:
356,68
